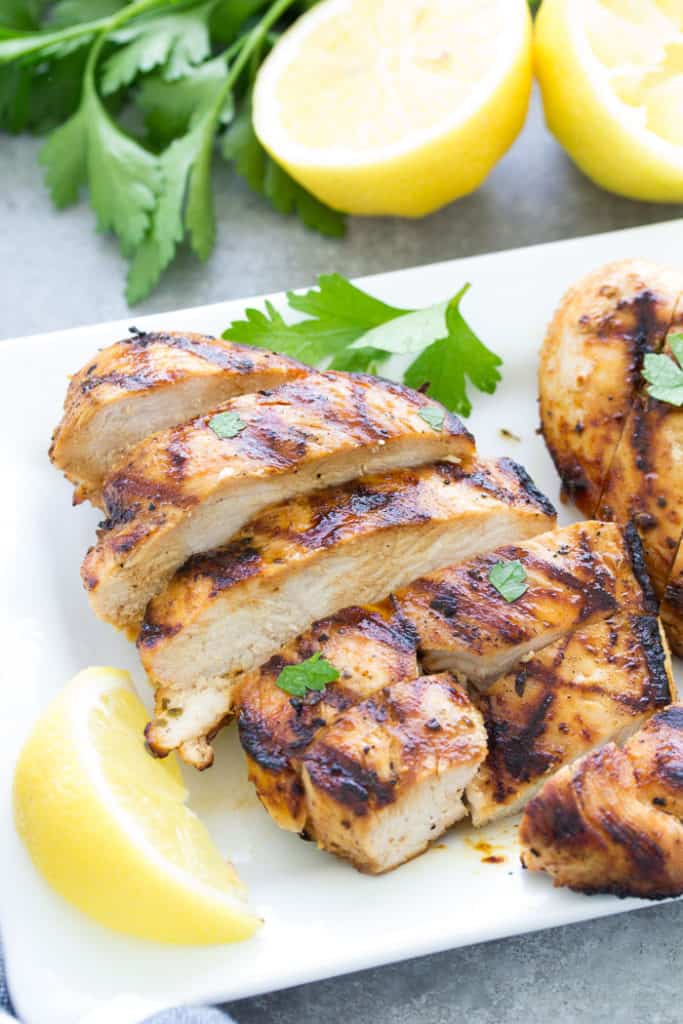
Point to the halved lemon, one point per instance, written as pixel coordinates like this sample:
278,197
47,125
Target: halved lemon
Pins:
611,74
108,827
386,107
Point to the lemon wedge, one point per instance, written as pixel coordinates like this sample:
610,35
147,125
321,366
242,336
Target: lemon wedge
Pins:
611,74
381,107
108,827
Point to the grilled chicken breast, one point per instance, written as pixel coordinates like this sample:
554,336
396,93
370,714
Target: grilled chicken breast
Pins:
645,481
387,777
187,490
575,575
671,609
227,611
146,383
613,822
598,684
371,647
590,369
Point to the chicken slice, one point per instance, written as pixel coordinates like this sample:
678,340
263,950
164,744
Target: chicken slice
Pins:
598,684
371,648
613,822
575,575
671,609
188,490
645,482
590,367
146,383
387,777
226,612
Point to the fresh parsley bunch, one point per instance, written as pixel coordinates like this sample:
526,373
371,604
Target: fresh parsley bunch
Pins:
136,97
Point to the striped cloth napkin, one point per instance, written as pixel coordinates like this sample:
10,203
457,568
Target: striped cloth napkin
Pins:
182,1015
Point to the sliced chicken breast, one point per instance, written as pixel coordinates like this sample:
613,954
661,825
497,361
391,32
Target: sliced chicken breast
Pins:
189,489
371,648
598,684
591,364
146,383
387,777
613,822
645,482
576,575
672,603
226,612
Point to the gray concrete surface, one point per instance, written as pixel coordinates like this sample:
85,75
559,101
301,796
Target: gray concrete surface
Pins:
54,272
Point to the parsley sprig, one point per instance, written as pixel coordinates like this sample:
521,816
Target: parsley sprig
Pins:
181,72
348,329
665,375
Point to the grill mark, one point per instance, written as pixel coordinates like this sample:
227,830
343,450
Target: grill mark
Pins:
671,717
347,782
535,496
646,628
152,632
206,347
636,553
514,748
139,381
645,853
126,489
225,567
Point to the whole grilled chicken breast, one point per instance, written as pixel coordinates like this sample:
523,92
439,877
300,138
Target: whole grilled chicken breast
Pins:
387,777
188,489
225,612
590,368
148,382
371,647
613,822
598,684
575,575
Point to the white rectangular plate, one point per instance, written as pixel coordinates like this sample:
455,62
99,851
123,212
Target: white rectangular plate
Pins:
322,918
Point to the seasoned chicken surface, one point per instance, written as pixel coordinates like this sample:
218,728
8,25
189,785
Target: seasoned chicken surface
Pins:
187,490
598,684
619,451
613,822
146,383
387,777
575,576
590,369
645,481
671,609
371,648
227,611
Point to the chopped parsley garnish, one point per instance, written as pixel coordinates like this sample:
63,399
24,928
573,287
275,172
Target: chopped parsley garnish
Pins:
509,579
313,674
348,329
664,376
433,416
227,424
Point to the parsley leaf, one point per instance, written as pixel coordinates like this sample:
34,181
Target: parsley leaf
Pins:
348,329
311,341
174,41
227,424
123,177
241,147
434,416
664,377
169,107
509,579
445,364
313,674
